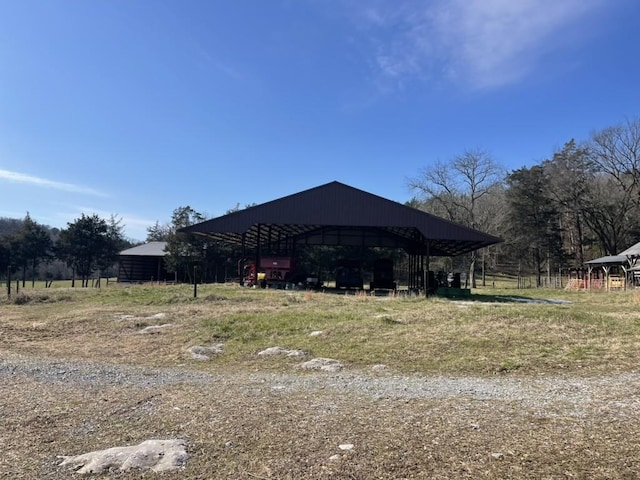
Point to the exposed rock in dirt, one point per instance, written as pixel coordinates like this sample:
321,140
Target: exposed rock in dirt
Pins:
201,353
379,367
273,351
125,317
156,455
155,329
326,364
296,353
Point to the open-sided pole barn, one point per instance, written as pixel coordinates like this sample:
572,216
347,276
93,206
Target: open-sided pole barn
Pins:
336,214
628,261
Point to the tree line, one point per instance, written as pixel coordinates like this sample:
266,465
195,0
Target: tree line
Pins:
88,246
581,203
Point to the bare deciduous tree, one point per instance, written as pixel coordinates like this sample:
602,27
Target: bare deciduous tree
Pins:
616,152
459,186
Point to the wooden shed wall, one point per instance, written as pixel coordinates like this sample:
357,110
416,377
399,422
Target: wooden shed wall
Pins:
136,269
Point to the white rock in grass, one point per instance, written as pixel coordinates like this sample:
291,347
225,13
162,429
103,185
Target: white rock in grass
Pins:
201,353
379,367
156,455
326,364
296,353
159,316
316,333
272,351
154,329
199,357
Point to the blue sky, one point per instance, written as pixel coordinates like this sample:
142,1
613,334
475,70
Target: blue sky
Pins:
137,107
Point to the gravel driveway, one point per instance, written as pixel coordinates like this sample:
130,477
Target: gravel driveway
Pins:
618,394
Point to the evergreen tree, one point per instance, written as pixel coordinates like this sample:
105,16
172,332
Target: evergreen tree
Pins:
185,251
535,220
34,245
158,233
90,244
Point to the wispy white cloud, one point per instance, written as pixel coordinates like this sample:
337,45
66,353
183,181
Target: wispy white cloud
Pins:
478,43
17,177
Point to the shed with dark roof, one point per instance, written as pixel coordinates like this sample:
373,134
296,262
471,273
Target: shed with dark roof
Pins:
618,270
143,263
336,214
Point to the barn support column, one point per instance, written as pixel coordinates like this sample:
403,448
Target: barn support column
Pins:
426,271
257,254
606,277
626,277
414,271
243,258
411,272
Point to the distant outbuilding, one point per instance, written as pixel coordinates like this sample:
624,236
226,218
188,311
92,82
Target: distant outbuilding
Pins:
144,263
619,271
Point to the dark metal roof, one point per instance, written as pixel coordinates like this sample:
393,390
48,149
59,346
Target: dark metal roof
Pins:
608,260
337,214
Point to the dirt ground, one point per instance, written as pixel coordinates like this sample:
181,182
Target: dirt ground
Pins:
79,376
291,425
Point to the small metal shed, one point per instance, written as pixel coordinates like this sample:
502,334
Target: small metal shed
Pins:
144,263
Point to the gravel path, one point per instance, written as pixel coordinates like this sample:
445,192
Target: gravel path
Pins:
98,374
617,394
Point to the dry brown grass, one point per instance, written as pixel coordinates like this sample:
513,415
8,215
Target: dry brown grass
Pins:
240,427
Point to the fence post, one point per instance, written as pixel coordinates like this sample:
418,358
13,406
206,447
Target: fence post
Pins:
195,283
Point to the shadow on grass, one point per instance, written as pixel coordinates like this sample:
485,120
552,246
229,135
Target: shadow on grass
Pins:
483,298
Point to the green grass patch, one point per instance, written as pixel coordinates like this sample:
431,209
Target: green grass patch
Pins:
494,331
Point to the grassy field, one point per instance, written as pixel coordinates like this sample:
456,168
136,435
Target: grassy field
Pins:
487,334
497,333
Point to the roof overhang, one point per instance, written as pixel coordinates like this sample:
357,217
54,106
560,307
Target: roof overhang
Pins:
608,260
339,215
